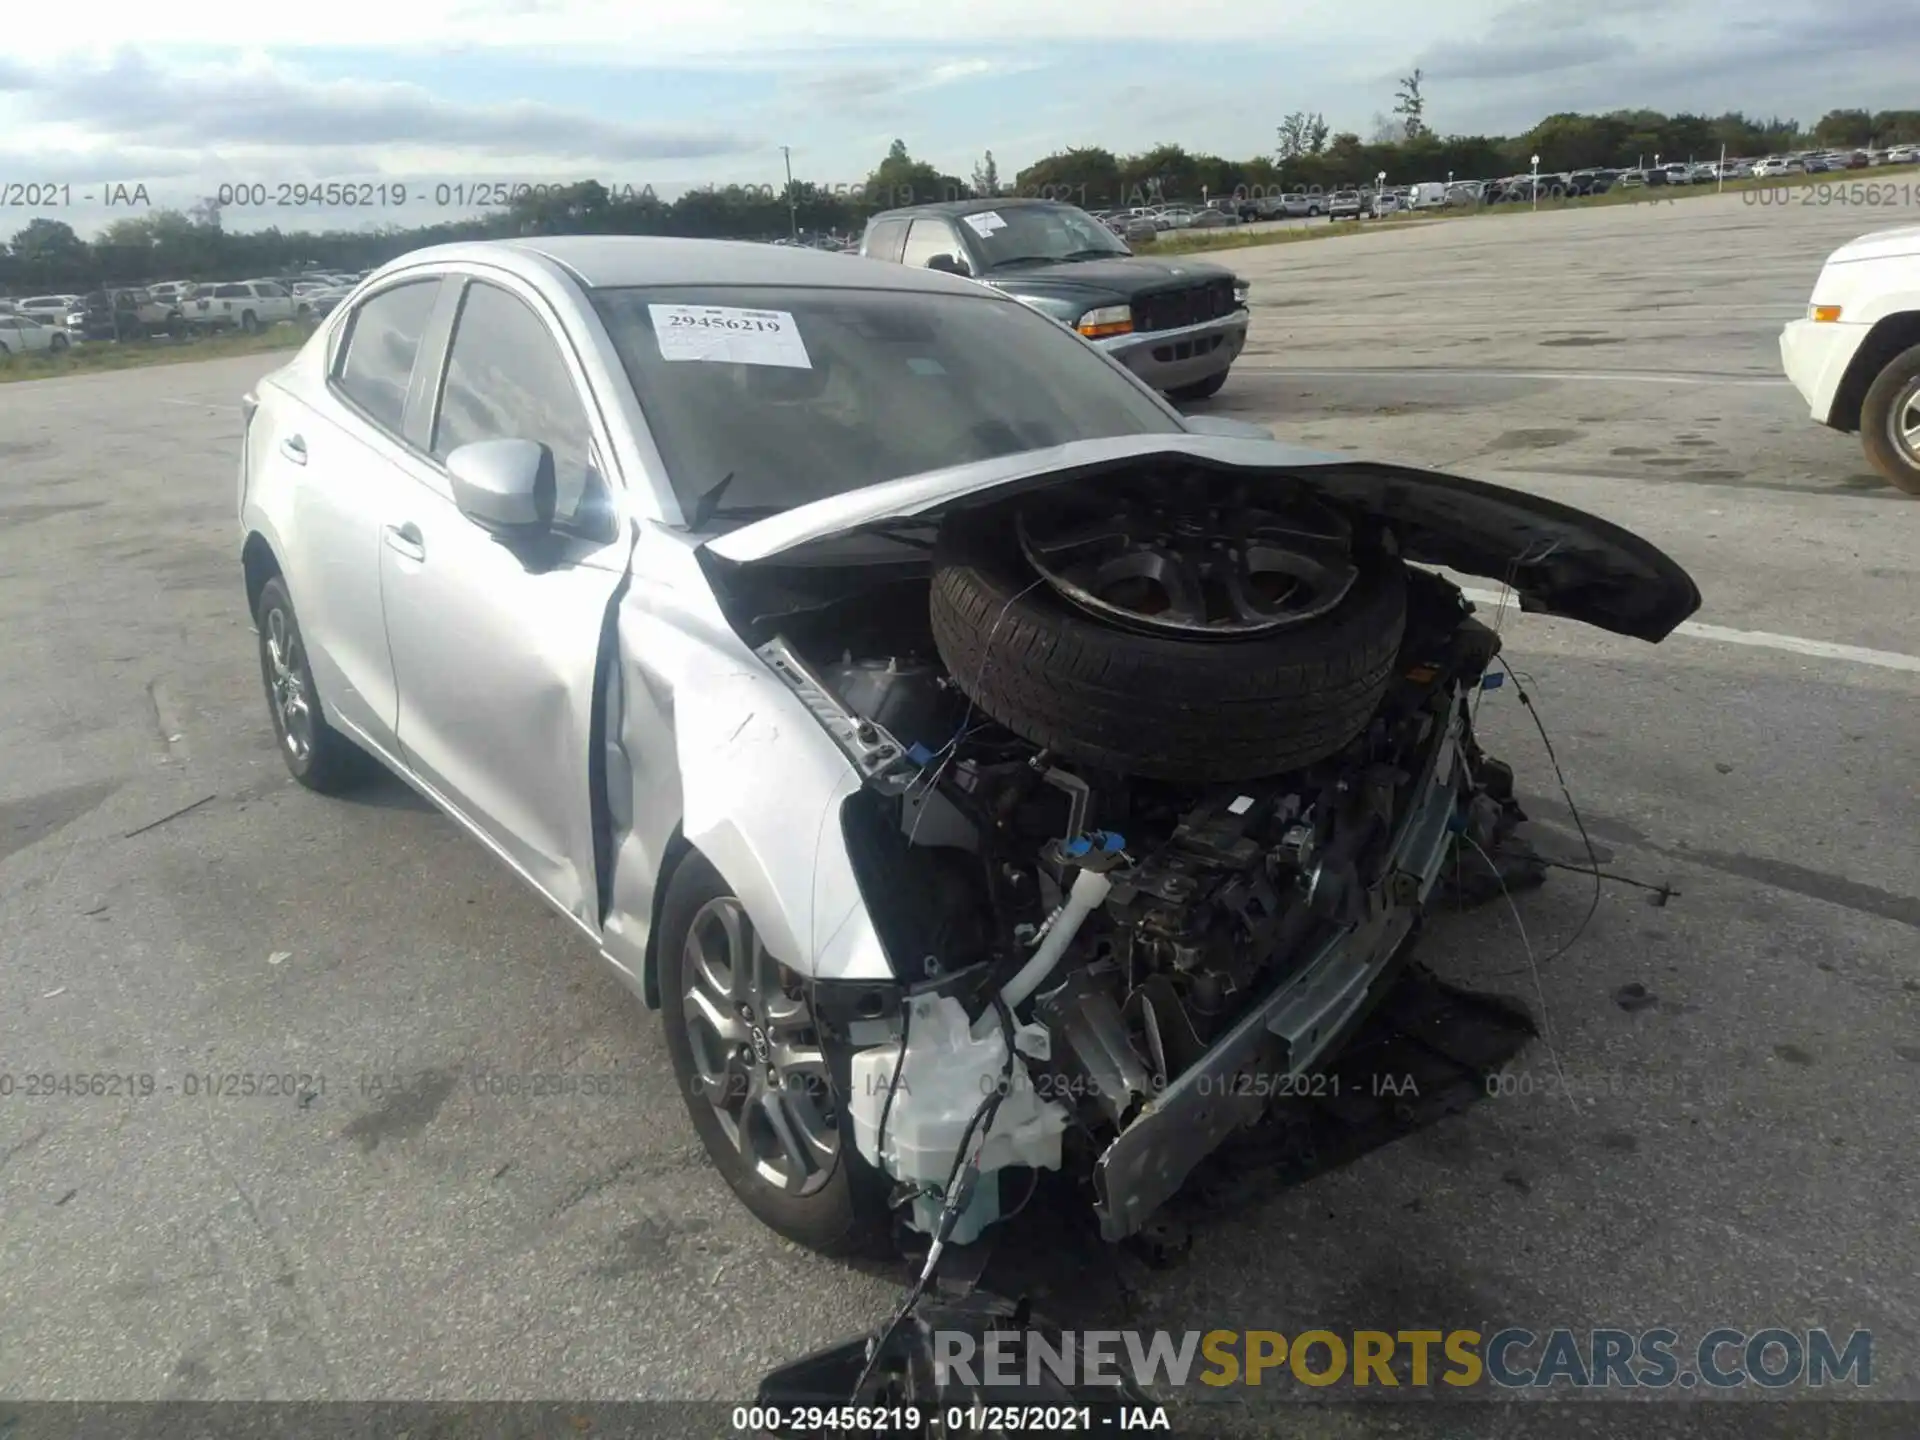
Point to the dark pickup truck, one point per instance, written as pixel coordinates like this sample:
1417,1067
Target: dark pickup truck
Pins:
1178,324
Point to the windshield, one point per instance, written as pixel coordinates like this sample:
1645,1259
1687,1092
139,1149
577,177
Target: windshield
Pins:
1036,234
800,394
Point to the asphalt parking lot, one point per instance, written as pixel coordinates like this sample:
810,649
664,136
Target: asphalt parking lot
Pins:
1741,1149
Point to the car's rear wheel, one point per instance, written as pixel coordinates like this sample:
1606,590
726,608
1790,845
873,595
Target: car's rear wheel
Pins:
249,322
1890,421
316,754
761,1082
56,343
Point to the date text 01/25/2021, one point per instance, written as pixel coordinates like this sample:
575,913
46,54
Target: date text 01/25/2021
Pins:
914,1420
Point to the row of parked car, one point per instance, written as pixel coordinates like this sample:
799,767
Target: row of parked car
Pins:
1145,222
169,307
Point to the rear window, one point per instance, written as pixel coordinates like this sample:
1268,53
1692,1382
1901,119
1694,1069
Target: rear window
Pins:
800,394
381,344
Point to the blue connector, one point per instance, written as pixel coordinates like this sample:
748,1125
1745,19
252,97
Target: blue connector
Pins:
919,754
1492,681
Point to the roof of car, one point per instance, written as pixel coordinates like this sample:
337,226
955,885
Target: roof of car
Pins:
972,207
608,261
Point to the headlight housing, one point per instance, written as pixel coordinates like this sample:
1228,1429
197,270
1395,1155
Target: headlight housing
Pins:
1065,311
1240,289
1106,321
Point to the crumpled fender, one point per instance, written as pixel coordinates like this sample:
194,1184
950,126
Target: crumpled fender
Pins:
705,743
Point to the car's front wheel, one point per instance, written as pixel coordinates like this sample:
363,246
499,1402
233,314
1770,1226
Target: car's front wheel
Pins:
1890,421
249,322
56,343
317,755
1201,389
757,1073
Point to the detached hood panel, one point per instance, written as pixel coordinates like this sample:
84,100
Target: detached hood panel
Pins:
1559,560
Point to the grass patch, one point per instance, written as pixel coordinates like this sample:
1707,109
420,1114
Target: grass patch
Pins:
100,355
1845,187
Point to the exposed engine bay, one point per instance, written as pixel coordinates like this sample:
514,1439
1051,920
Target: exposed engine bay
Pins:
1136,964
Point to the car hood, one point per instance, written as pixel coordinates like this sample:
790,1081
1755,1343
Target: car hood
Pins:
1559,560
1897,243
1124,275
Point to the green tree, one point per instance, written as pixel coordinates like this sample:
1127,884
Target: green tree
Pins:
901,180
1088,176
1411,106
1294,132
986,176
1844,128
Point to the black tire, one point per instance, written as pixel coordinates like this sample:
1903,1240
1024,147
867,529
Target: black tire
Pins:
1156,706
847,1215
56,343
328,763
249,322
1201,389
1893,387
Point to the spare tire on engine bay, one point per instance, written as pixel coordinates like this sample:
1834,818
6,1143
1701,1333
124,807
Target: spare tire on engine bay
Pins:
1157,706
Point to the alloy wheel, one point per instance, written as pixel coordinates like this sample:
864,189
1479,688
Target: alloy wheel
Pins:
756,1053
1903,423
1221,568
287,684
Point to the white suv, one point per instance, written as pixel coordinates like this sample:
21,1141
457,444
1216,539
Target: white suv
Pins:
243,305
1856,355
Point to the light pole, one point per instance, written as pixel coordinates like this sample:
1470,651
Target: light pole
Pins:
1536,182
793,206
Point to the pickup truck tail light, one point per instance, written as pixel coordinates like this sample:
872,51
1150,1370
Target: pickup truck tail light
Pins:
1824,314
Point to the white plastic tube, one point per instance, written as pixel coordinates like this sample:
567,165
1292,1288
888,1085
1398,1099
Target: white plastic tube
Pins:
1089,893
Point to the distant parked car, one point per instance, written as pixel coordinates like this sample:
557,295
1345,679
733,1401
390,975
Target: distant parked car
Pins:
121,314
1904,155
48,309
1775,165
23,335
247,305
1348,205
1589,182
1299,204
1211,219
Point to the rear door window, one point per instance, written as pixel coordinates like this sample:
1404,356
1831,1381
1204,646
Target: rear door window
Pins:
886,239
382,343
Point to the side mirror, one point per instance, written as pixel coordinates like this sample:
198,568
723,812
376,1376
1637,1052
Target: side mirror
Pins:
504,486
948,265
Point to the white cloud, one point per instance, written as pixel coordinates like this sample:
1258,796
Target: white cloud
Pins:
256,105
653,31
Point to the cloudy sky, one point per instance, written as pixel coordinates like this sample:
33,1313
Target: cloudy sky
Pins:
197,93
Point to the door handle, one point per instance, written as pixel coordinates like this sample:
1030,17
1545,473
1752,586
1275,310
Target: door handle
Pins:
294,447
406,540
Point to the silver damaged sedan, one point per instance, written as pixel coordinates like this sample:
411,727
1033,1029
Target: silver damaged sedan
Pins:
984,767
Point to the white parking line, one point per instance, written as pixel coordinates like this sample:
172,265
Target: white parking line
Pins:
1763,639
1604,377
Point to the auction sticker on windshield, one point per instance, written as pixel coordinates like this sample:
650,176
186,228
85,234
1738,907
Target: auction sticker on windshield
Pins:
729,335
986,222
